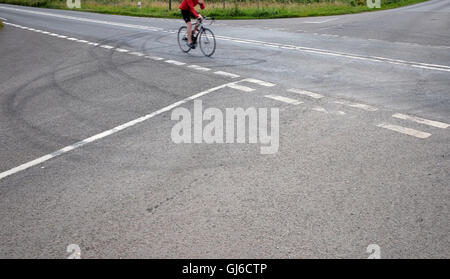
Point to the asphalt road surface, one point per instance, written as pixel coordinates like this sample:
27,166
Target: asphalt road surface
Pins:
87,156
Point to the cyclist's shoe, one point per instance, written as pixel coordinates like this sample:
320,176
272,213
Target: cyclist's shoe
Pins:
191,45
185,39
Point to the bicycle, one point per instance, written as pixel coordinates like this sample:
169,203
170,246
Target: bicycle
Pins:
205,37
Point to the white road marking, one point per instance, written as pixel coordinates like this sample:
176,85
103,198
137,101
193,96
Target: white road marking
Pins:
261,43
70,38
259,82
62,36
107,46
221,73
3,19
82,41
306,93
154,58
175,62
404,130
429,68
356,105
284,99
420,120
106,133
122,50
137,53
199,68
240,87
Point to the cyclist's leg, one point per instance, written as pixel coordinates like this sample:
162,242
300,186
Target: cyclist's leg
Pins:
189,32
187,19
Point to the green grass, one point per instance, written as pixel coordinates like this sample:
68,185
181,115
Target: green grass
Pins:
234,9
1,25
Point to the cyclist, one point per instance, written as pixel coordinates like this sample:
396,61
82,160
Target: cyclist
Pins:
188,10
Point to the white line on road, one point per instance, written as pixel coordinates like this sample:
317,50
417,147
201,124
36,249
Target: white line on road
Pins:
404,130
3,19
306,93
154,58
240,87
422,120
136,53
178,63
259,82
199,68
107,133
356,105
122,50
106,46
225,74
284,99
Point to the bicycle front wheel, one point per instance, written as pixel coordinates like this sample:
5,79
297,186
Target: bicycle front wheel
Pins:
182,39
207,42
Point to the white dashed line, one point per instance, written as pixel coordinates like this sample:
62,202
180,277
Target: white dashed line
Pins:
70,38
259,82
122,50
240,87
107,133
433,123
62,36
306,93
221,73
356,105
284,99
404,130
107,46
175,62
154,58
199,68
135,53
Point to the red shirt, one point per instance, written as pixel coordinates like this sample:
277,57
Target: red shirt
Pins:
188,5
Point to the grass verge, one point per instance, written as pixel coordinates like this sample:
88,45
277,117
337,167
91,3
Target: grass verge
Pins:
233,9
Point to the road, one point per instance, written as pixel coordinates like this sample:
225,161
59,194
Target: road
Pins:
87,157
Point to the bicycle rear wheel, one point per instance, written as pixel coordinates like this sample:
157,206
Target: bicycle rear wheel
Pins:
182,39
207,42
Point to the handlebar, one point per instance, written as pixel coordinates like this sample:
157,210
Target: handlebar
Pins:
212,19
